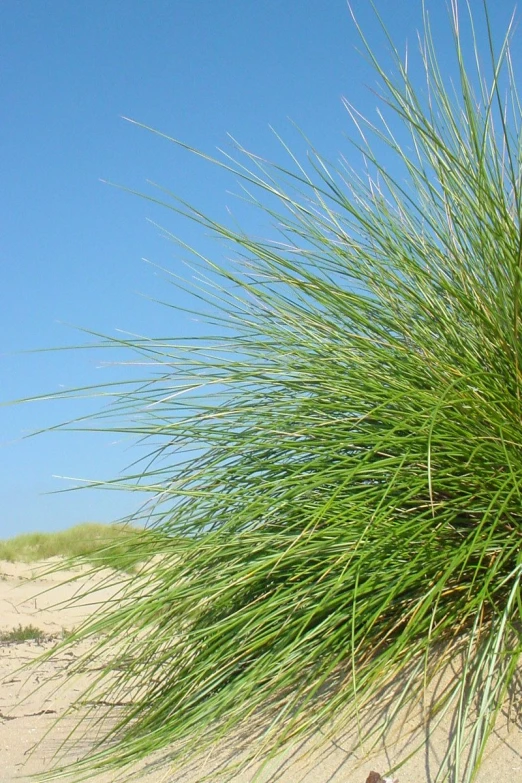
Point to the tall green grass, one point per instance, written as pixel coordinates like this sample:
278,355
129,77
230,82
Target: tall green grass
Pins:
352,511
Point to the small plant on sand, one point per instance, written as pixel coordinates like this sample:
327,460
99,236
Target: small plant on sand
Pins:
23,633
351,512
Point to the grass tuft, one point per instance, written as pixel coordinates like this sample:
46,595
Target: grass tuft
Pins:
351,510
23,634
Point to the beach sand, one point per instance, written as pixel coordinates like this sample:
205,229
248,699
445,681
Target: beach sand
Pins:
27,714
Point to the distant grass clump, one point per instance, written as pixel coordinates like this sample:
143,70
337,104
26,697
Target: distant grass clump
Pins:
351,511
23,633
105,545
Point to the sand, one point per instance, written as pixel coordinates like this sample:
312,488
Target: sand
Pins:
27,714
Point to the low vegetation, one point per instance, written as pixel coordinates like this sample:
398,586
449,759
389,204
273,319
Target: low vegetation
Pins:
104,545
23,633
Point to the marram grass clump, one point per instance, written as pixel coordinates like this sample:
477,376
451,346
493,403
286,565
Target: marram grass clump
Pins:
351,511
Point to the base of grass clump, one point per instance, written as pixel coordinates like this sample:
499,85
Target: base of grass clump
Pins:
350,511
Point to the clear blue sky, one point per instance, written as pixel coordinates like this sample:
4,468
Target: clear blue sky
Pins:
71,248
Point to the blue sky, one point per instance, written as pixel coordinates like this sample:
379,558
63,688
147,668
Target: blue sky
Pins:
71,247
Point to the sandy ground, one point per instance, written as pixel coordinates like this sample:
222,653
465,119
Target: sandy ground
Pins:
26,715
